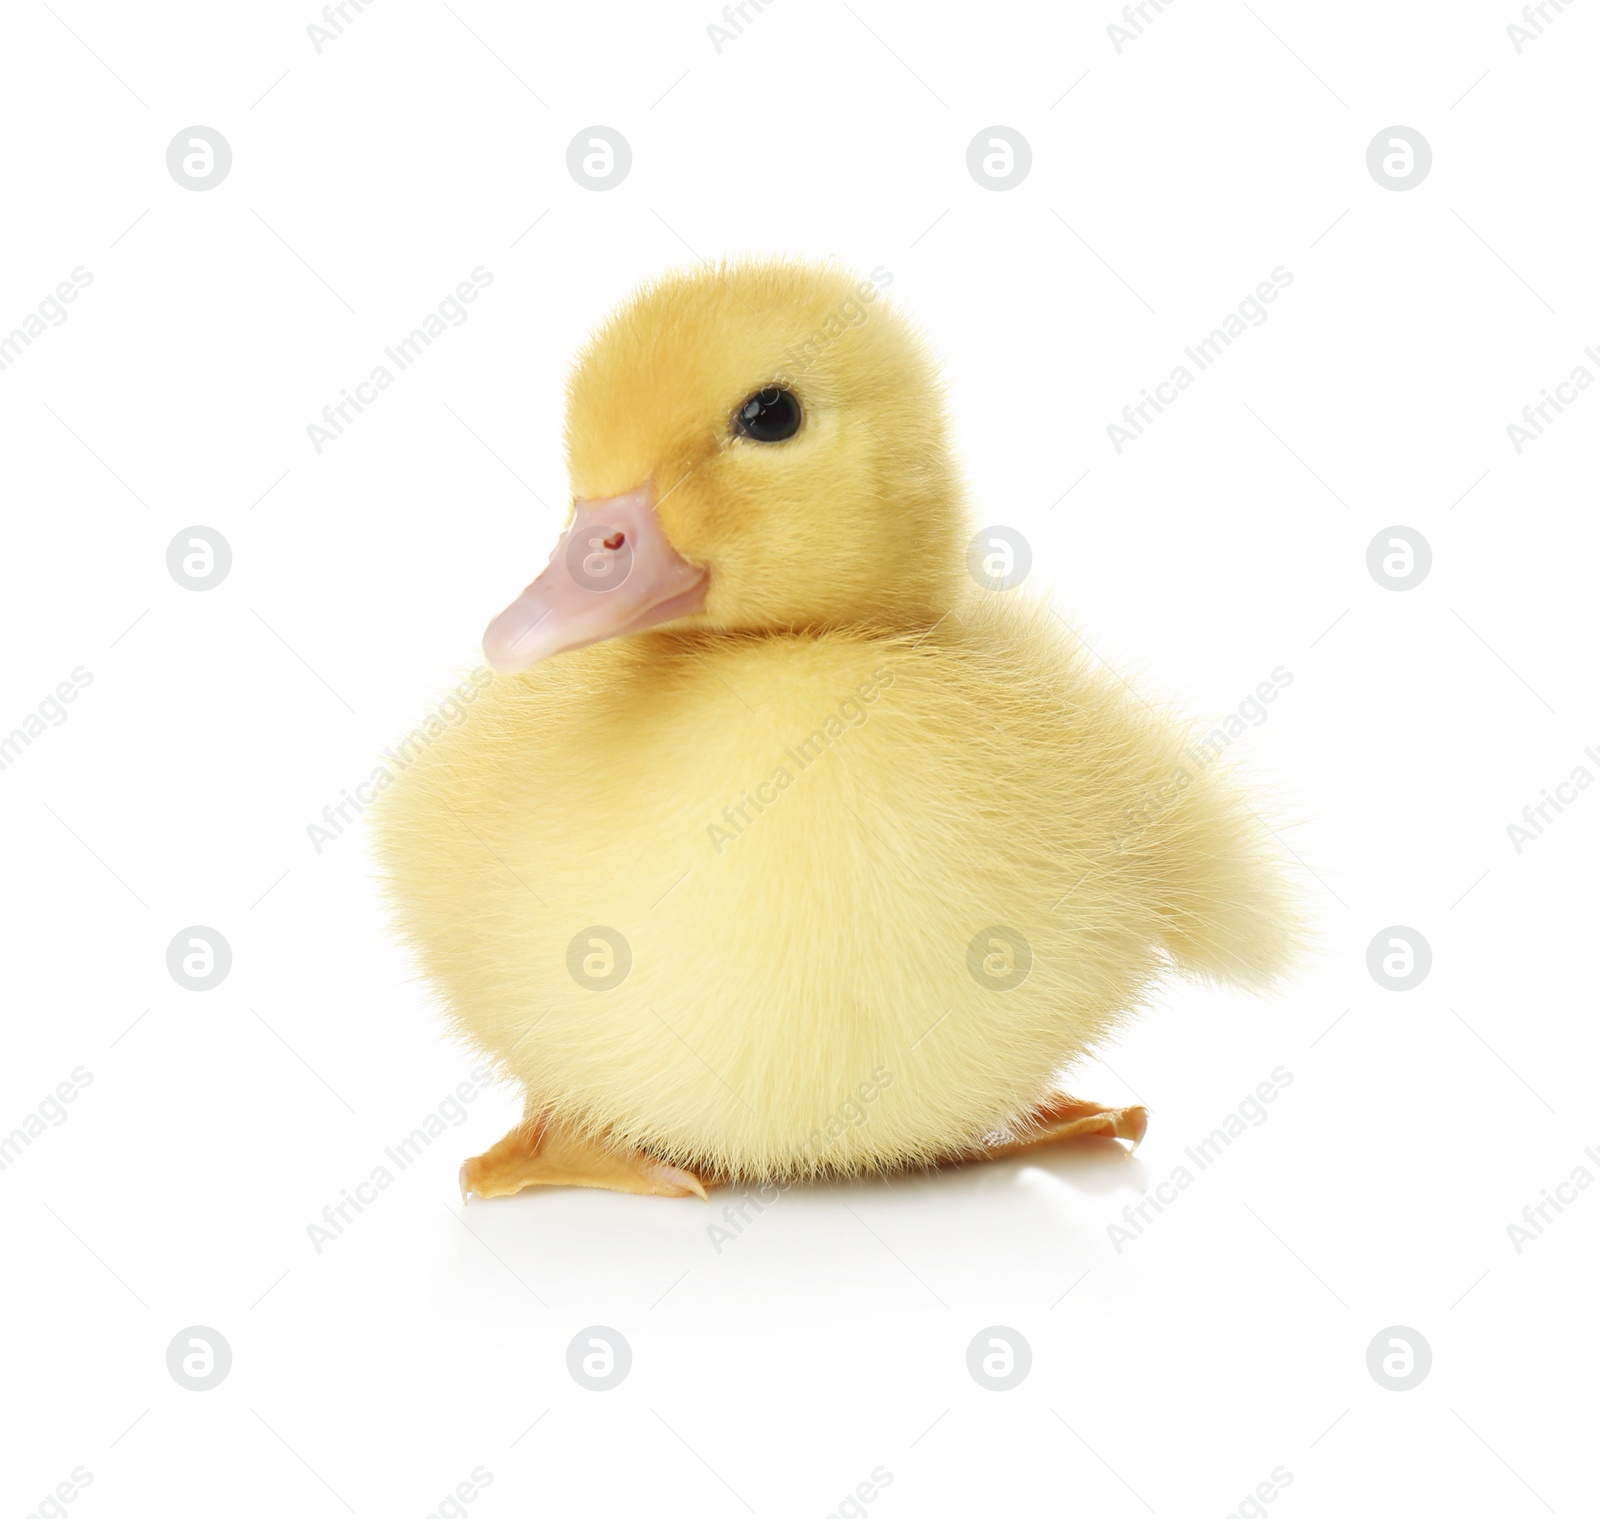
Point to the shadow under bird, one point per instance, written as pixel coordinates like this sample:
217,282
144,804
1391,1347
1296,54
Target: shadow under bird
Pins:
780,846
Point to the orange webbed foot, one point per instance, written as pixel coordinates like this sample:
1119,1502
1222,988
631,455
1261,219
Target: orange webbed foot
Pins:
1062,1118
541,1154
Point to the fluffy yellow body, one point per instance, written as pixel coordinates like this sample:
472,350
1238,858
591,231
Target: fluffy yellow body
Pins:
871,890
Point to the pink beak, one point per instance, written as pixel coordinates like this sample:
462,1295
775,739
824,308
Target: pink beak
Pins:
614,572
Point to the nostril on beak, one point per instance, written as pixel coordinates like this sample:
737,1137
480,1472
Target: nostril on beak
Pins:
614,542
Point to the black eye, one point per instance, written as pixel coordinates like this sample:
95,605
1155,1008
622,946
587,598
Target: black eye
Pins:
769,416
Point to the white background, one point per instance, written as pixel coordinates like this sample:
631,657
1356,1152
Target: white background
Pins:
830,1338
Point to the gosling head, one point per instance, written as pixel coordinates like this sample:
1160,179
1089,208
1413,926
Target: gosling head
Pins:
759,448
